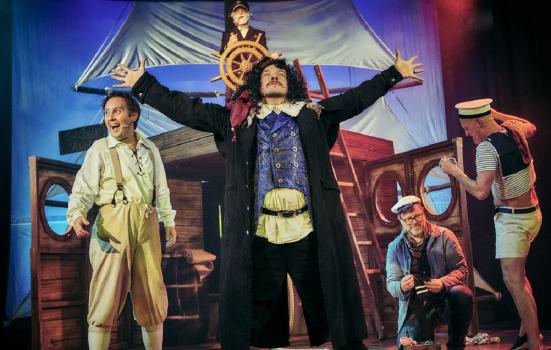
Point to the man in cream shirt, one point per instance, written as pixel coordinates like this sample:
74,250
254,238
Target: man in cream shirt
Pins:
123,175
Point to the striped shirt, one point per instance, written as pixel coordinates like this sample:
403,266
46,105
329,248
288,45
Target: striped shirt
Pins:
506,186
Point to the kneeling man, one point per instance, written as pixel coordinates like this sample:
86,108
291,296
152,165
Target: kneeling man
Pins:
426,271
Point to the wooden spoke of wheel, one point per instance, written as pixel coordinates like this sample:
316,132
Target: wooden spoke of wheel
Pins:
216,78
245,65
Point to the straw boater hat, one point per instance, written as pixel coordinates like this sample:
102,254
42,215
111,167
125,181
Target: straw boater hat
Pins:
404,204
474,109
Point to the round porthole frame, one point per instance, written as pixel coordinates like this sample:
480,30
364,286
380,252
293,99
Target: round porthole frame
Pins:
393,222
69,232
453,185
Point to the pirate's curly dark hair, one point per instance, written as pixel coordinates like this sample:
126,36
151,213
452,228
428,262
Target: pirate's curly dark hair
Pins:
295,83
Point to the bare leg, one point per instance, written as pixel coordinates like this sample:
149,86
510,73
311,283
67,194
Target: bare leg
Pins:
522,331
515,279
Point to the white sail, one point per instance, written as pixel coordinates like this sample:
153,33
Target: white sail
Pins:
327,32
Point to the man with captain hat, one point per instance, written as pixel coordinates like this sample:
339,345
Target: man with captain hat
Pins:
505,167
241,30
240,15
427,272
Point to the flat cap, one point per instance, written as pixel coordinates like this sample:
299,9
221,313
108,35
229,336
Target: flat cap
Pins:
404,204
474,109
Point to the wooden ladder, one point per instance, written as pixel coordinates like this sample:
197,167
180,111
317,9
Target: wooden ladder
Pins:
367,253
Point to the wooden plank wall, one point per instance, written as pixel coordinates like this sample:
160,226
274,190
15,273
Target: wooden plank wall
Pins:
59,268
184,143
187,199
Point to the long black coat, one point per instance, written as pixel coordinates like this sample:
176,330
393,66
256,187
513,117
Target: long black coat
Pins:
338,275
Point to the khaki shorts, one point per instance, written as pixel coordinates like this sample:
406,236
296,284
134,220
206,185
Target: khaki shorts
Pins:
515,233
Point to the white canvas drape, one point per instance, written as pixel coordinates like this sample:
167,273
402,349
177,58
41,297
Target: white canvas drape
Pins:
328,32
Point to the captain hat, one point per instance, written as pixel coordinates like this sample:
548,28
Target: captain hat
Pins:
474,109
404,204
239,3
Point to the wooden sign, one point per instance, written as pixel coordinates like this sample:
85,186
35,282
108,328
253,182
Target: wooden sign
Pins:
80,139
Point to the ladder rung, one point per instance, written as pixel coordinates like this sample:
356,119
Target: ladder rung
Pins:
346,184
364,242
372,271
337,154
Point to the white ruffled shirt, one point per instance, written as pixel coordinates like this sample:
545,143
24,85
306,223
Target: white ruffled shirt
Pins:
264,110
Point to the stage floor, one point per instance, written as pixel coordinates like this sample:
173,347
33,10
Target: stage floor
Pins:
507,338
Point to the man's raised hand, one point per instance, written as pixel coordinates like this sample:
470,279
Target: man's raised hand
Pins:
407,68
128,76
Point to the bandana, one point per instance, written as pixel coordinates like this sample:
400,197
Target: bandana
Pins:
240,108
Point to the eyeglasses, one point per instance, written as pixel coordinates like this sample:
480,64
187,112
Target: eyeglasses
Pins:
411,219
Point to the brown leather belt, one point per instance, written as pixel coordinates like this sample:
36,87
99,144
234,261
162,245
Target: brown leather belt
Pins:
284,213
516,211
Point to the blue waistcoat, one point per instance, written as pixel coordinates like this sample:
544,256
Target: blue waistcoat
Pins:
280,159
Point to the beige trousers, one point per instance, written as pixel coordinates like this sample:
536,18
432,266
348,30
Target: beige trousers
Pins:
125,254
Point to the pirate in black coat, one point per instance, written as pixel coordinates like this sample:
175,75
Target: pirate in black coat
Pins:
282,202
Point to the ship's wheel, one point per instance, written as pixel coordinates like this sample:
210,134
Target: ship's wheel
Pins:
237,60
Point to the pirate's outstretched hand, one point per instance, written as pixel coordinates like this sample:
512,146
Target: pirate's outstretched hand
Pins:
408,68
127,76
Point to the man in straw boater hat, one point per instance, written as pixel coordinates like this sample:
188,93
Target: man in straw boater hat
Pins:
427,271
505,167
282,202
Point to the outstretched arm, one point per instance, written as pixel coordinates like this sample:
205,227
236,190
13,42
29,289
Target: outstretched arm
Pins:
176,105
356,100
528,128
